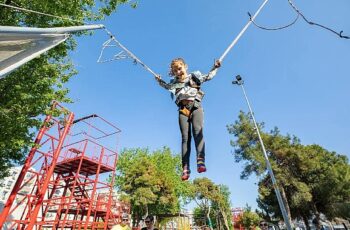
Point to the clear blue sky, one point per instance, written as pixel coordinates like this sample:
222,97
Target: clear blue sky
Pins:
297,79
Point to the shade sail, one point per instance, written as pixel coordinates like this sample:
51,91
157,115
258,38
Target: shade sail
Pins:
19,45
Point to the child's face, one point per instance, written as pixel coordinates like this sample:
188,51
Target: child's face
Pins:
179,69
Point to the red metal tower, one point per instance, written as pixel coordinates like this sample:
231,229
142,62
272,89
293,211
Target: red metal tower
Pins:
236,216
72,172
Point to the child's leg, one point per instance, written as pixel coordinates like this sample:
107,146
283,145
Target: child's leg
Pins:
197,126
186,139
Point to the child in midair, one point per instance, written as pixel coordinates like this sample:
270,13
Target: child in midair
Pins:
188,96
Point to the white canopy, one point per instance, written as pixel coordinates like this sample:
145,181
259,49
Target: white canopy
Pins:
19,45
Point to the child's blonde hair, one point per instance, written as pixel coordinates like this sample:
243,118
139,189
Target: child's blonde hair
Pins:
175,62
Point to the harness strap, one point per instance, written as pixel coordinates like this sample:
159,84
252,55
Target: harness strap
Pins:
189,108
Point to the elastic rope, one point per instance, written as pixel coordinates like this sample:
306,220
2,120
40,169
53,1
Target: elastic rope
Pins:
242,32
136,60
133,56
340,34
275,28
40,13
115,57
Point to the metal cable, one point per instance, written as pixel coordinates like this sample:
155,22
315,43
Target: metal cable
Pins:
136,60
275,28
40,13
133,56
340,34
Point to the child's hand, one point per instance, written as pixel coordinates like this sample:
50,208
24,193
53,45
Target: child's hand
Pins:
217,64
158,78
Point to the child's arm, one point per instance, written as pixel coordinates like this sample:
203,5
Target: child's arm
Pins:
212,72
162,83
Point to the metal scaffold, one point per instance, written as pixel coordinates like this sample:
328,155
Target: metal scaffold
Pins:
72,170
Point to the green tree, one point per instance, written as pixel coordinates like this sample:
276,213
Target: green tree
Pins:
249,219
151,181
26,93
213,203
312,179
204,191
319,183
248,149
342,210
222,207
199,216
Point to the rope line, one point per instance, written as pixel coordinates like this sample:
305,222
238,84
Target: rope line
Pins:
242,32
117,56
233,43
130,54
40,13
340,34
106,44
273,28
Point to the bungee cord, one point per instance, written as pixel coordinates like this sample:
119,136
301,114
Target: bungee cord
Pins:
118,56
340,34
241,33
125,53
299,14
130,54
273,28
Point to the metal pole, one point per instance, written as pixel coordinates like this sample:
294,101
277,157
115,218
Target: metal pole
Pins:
55,30
240,82
24,170
42,189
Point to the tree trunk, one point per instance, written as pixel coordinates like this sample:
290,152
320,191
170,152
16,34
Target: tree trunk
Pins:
146,211
218,223
208,216
306,222
317,217
225,218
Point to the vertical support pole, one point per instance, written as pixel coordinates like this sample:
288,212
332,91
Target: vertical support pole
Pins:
23,172
268,165
110,196
45,184
92,198
76,181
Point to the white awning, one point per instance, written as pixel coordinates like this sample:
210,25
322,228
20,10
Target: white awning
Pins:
19,45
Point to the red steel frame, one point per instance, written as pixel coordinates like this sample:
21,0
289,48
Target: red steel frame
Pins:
236,216
70,189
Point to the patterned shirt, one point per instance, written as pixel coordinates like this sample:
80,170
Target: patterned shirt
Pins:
186,89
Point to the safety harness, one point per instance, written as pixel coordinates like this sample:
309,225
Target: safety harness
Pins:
188,107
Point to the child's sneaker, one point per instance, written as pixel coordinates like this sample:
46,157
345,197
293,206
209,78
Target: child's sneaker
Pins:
201,165
185,173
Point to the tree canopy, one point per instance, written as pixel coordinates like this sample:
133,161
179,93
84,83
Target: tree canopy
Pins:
213,203
312,179
26,93
151,181
249,219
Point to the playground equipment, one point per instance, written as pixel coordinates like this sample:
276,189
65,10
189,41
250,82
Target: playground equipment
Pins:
237,214
67,178
68,166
